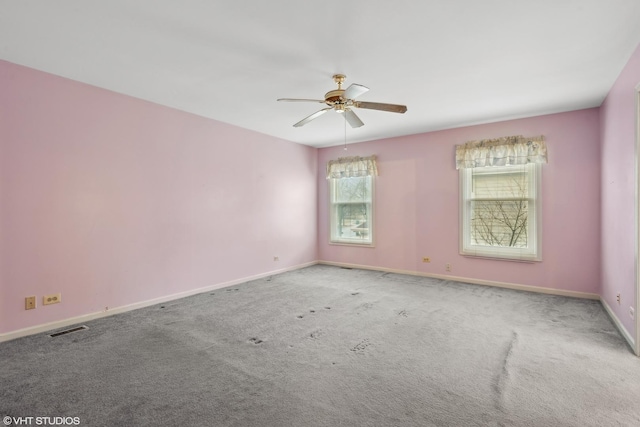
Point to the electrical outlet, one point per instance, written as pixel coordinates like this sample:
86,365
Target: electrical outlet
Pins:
51,299
618,298
632,312
426,259
30,303
447,267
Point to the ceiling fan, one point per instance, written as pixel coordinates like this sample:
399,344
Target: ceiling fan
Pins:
343,100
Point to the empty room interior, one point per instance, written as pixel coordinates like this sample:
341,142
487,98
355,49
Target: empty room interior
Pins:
358,213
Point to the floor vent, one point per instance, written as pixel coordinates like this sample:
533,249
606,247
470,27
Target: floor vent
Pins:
68,331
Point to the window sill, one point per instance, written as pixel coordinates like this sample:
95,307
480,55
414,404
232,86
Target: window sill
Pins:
353,244
526,260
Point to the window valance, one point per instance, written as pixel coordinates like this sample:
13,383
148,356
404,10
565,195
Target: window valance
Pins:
506,151
347,167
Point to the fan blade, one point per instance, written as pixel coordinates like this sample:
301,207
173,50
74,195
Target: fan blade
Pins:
352,118
393,108
354,91
301,100
311,117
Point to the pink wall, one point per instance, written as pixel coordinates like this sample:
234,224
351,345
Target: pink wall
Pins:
417,209
112,200
618,192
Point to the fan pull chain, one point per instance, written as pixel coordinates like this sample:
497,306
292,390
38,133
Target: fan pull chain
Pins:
345,132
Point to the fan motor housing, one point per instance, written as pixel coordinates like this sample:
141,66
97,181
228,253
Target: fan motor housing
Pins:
333,96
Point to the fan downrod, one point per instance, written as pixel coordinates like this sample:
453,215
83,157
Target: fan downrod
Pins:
339,79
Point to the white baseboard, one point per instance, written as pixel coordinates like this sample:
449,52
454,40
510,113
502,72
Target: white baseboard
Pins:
619,325
104,313
528,288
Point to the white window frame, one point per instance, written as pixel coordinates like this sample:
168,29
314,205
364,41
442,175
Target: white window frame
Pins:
334,239
533,251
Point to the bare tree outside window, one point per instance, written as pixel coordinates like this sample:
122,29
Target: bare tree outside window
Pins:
499,210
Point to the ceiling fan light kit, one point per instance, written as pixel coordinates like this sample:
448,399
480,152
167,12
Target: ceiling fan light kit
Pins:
343,100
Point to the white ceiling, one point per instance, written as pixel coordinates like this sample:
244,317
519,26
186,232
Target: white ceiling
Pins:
453,63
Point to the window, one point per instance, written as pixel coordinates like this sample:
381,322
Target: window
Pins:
351,210
500,212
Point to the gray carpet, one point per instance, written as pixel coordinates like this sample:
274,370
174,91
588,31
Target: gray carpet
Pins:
325,346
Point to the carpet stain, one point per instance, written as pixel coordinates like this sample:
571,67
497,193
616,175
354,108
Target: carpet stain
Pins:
355,293
255,341
365,306
300,316
361,347
403,313
501,381
327,308
316,334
